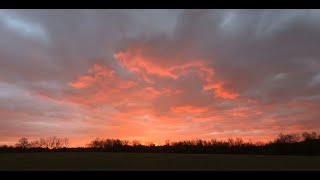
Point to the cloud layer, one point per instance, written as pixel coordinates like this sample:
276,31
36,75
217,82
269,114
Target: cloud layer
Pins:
158,74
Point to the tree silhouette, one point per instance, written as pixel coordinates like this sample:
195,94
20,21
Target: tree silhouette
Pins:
50,143
136,143
23,143
287,138
309,136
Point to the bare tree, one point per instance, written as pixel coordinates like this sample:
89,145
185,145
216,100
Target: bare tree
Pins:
230,141
66,142
23,143
309,136
50,143
35,144
125,142
57,143
167,143
287,138
43,143
150,144
238,142
136,143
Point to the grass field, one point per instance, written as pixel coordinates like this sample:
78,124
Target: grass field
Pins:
149,161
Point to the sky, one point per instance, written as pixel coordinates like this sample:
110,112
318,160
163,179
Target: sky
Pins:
156,75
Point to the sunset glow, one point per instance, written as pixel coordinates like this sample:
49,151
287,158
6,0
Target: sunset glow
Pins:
157,75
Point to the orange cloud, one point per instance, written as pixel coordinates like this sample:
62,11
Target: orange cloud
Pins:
239,114
82,82
136,63
95,73
188,109
135,60
220,91
101,75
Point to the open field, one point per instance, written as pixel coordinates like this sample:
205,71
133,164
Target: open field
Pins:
152,161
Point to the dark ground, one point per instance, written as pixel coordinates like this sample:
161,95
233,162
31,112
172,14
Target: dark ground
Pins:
152,161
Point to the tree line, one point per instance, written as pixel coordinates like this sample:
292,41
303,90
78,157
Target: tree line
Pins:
42,144
284,144
47,143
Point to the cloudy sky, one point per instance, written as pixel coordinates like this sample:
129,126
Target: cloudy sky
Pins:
155,75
